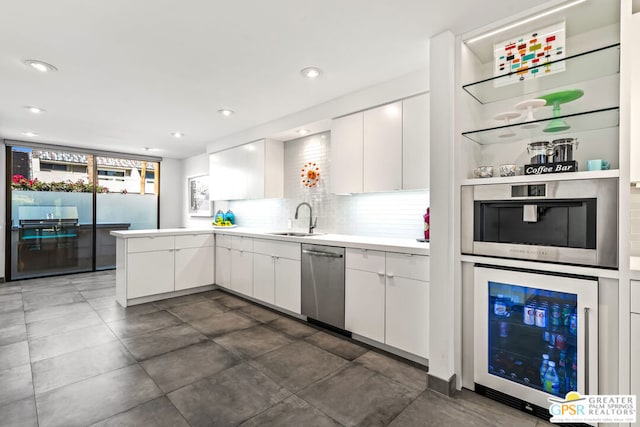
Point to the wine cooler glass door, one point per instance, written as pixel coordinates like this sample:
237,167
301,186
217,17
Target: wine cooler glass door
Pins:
537,334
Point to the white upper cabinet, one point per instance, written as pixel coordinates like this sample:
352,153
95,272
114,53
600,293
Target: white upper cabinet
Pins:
382,166
415,142
250,171
635,103
382,149
346,154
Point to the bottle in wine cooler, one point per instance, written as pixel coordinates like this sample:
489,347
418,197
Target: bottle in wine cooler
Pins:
573,376
562,372
543,367
551,380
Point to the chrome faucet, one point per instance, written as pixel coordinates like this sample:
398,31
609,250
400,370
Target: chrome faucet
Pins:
312,224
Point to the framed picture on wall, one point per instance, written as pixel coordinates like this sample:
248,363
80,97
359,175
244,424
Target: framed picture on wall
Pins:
198,191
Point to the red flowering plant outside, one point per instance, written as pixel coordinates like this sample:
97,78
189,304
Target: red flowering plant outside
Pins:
19,182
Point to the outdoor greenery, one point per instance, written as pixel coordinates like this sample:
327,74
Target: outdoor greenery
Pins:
19,182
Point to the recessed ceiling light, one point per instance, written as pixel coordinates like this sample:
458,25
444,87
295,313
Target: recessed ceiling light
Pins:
43,67
30,134
310,72
35,110
226,112
303,131
177,134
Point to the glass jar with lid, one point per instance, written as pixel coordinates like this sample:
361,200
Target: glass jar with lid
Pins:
563,149
538,151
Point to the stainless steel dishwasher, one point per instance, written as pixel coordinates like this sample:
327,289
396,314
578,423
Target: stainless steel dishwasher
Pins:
323,284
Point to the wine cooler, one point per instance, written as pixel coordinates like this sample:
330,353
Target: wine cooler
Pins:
536,336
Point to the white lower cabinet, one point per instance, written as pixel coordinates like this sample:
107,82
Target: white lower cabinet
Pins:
387,299
364,295
276,273
288,284
407,315
635,338
223,267
242,272
194,267
264,287
153,265
149,273
635,353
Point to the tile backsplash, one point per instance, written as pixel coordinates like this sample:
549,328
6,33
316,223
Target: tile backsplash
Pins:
635,221
396,214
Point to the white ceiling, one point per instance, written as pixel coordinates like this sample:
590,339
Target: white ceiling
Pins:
132,72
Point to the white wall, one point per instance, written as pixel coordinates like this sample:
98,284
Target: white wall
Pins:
192,166
171,191
3,162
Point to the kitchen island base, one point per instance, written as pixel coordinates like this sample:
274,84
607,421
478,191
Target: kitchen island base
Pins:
157,297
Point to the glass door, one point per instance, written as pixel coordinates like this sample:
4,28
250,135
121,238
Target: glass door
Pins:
537,334
51,227
129,201
65,203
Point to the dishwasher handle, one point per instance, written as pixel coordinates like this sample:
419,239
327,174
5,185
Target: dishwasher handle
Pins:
321,253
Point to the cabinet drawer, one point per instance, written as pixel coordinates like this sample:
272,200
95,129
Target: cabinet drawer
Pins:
409,266
194,241
276,248
223,241
242,243
635,296
365,260
148,244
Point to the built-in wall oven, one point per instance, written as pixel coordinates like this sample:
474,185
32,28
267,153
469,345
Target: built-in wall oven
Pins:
569,222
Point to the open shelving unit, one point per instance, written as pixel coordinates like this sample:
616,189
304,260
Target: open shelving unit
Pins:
593,119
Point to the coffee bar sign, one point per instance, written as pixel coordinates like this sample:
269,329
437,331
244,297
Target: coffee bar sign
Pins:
557,167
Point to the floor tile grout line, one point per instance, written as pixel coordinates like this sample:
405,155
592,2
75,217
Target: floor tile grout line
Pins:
318,409
33,383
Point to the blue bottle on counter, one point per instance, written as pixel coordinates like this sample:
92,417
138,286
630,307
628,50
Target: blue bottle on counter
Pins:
230,216
219,217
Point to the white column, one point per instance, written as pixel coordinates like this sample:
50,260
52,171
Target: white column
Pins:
442,193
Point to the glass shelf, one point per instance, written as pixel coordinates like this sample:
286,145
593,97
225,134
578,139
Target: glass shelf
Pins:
579,122
585,66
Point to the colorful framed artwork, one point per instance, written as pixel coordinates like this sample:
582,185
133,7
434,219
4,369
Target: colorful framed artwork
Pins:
198,191
530,56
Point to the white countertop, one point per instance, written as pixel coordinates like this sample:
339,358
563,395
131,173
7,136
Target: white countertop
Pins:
360,242
125,234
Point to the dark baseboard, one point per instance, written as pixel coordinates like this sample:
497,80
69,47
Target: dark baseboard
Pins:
448,388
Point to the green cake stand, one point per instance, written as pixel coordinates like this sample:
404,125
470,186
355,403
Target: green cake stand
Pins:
558,124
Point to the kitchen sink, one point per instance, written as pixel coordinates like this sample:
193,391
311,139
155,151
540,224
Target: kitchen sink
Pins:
293,234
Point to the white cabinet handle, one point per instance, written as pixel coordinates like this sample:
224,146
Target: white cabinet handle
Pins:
381,273
390,275
409,254
177,250
171,250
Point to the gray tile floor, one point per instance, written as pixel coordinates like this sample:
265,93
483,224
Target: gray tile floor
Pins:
71,356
